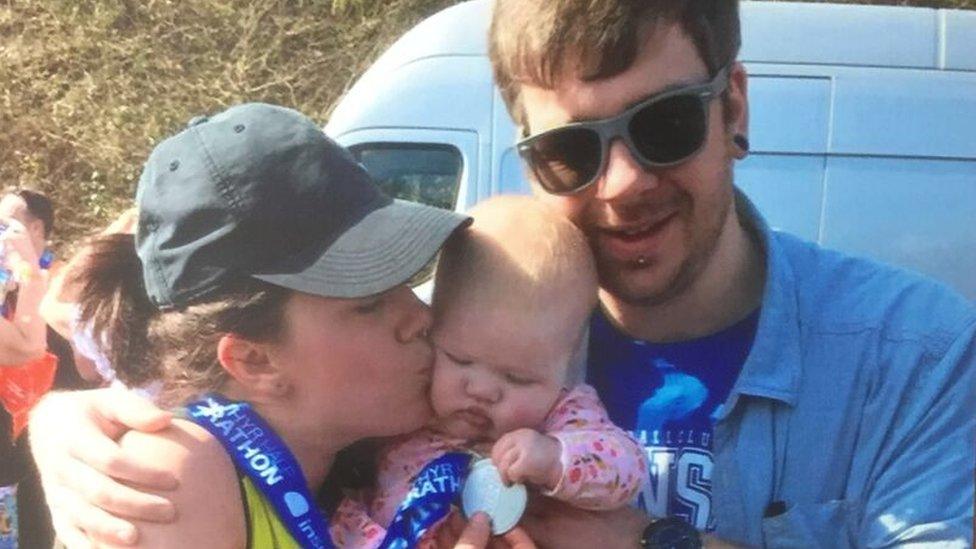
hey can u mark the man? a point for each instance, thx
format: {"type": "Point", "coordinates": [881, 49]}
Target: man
{"type": "Point", "coordinates": [788, 396]}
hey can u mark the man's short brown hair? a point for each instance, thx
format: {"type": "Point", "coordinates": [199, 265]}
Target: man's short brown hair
{"type": "Point", "coordinates": [532, 41]}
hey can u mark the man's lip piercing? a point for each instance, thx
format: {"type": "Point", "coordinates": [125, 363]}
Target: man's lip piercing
{"type": "Point", "coordinates": [642, 261]}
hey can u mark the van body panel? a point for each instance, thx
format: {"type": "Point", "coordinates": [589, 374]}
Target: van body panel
{"type": "Point", "coordinates": [788, 189]}
{"type": "Point", "coordinates": [862, 122]}
{"type": "Point", "coordinates": [917, 213]}
{"type": "Point", "coordinates": [839, 34]}
{"type": "Point", "coordinates": [904, 113]}
{"type": "Point", "coordinates": [960, 42]}
{"type": "Point", "coordinates": [794, 111]}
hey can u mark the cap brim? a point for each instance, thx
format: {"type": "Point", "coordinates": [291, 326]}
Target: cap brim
{"type": "Point", "coordinates": [383, 250]}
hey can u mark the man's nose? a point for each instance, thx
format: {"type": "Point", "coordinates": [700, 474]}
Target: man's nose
{"type": "Point", "coordinates": [624, 177]}
{"type": "Point", "coordinates": [415, 319]}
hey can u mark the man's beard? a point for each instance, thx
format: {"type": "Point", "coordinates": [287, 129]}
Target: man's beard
{"type": "Point", "coordinates": [614, 277]}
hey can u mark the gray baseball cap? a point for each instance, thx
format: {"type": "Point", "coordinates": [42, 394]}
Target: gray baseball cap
{"type": "Point", "coordinates": [260, 191]}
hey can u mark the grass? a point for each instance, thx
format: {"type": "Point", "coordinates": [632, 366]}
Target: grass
{"type": "Point", "coordinates": [87, 86]}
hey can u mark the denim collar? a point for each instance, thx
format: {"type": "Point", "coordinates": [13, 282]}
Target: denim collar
{"type": "Point", "coordinates": [772, 369]}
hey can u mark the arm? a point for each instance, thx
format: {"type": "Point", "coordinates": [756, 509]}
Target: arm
{"type": "Point", "coordinates": [602, 467]}
{"type": "Point", "coordinates": [922, 491]}
{"type": "Point", "coordinates": [552, 523]}
{"type": "Point", "coordinates": [208, 496]}
{"type": "Point", "coordinates": [73, 440]}
{"type": "Point", "coordinates": [58, 305]}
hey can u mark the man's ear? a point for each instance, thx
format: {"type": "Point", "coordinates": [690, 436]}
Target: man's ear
{"type": "Point", "coordinates": [250, 364]}
{"type": "Point", "coordinates": [736, 108]}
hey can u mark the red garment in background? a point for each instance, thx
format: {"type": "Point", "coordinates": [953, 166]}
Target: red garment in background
{"type": "Point", "coordinates": [21, 387]}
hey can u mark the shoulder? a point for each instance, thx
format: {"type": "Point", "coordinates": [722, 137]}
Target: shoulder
{"type": "Point", "coordinates": [208, 501]}
{"type": "Point", "coordinates": [837, 292]}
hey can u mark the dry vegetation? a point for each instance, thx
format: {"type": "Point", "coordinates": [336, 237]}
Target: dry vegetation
{"type": "Point", "coordinates": [87, 86]}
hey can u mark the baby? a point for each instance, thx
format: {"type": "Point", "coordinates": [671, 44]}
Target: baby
{"type": "Point", "coordinates": [511, 300]}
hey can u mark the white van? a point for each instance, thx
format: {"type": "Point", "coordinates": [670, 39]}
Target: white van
{"type": "Point", "coordinates": [863, 125]}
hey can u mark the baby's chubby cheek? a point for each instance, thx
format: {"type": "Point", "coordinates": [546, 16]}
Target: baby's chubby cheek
{"type": "Point", "coordinates": [519, 416]}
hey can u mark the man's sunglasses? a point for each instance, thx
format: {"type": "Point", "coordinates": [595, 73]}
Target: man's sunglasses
{"type": "Point", "coordinates": [663, 130]}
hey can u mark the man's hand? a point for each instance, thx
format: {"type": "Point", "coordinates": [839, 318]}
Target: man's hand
{"type": "Point", "coordinates": [84, 472]}
{"type": "Point", "coordinates": [552, 523]}
{"type": "Point", "coordinates": [527, 456]}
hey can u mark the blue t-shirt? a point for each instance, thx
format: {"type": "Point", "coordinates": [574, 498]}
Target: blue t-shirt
{"type": "Point", "coordinates": [668, 395]}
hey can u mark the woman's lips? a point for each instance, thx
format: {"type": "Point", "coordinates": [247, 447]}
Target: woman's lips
{"type": "Point", "coordinates": [636, 242]}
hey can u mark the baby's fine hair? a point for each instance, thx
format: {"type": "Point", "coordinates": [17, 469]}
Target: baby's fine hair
{"type": "Point", "coordinates": [518, 252]}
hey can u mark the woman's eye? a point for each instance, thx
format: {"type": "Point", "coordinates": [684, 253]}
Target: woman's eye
{"type": "Point", "coordinates": [370, 306]}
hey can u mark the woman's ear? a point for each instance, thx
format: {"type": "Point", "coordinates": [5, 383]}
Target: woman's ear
{"type": "Point", "coordinates": [737, 111]}
{"type": "Point", "coordinates": [250, 364]}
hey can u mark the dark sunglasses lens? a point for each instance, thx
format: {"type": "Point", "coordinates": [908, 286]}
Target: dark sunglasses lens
{"type": "Point", "coordinates": [565, 160]}
{"type": "Point", "coordinates": [669, 130]}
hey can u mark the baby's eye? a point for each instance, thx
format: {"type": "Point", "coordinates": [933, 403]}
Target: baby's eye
{"type": "Point", "coordinates": [458, 361]}
{"type": "Point", "coordinates": [518, 380]}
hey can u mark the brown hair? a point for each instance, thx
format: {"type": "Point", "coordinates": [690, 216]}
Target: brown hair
{"type": "Point", "coordinates": [177, 347]}
{"type": "Point", "coordinates": [533, 41]}
{"type": "Point", "coordinates": [184, 342]}
{"type": "Point", "coordinates": [113, 300]}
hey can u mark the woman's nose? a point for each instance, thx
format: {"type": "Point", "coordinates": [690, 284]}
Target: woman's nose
{"type": "Point", "coordinates": [415, 316]}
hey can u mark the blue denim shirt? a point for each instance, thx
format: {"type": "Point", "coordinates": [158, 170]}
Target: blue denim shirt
{"type": "Point", "coordinates": [856, 408]}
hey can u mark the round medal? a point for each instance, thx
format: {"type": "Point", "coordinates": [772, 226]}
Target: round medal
{"type": "Point", "coordinates": [484, 491]}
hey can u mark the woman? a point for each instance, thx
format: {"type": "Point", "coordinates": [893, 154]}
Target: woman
{"type": "Point", "coordinates": [280, 273]}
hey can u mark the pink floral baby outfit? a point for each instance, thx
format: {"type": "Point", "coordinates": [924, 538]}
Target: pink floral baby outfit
{"type": "Point", "coordinates": [602, 468]}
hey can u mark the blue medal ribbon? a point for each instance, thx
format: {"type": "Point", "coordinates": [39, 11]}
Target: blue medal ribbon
{"type": "Point", "coordinates": [258, 452]}
{"type": "Point", "coordinates": [433, 491]}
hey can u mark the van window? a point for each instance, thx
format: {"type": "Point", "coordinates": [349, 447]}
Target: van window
{"type": "Point", "coordinates": [429, 173]}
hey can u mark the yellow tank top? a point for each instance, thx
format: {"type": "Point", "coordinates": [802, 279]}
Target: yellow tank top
{"type": "Point", "coordinates": [264, 529]}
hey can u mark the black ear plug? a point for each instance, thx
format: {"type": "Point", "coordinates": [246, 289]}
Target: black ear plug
{"type": "Point", "coordinates": [741, 141]}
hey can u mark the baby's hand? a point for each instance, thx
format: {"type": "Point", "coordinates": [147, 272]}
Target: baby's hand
{"type": "Point", "coordinates": [527, 456]}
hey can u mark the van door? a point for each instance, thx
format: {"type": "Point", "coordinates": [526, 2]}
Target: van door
{"type": "Point", "coordinates": [901, 176]}
{"type": "Point", "coordinates": [788, 129]}
{"type": "Point", "coordinates": [434, 167]}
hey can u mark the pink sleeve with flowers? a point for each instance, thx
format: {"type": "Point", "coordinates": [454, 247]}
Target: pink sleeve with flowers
{"type": "Point", "coordinates": [603, 466]}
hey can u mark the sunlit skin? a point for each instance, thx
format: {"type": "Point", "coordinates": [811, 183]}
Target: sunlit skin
{"type": "Point", "coordinates": [348, 362]}
{"type": "Point", "coordinates": [673, 260]}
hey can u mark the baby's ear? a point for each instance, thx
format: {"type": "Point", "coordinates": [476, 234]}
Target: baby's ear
{"type": "Point", "coordinates": [249, 363]}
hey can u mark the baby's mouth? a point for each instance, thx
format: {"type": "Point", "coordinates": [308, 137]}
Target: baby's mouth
{"type": "Point", "coordinates": [475, 418]}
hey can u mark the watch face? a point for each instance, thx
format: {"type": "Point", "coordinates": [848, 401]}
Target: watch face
{"type": "Point", "coordinates": [672, 533]}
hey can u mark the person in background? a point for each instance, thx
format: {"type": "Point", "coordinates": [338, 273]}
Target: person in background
{"type": "Point", "coordinates": [100, 293]}
{"type": "Point", "coordinates": [32, 359]}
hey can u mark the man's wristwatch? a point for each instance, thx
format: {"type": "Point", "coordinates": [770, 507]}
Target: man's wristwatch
{"type": "Point", "coordinates": [670, 533]}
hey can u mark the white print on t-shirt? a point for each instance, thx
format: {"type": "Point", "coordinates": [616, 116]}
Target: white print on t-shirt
{"type": "Point", "coordinates": [679, 485]}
